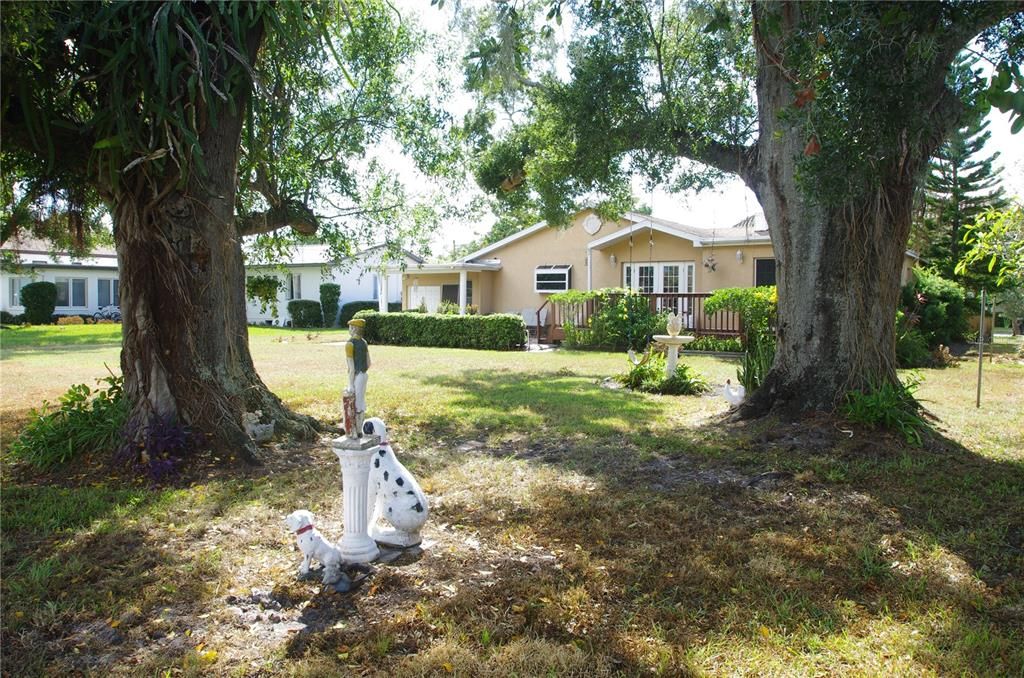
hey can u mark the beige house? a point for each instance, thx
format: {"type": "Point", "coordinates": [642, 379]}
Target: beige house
{"type": "Point", "coordinates": [652, 255]}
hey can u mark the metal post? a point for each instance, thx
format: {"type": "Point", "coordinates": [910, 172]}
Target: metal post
{"type": "Point", "coordinates": [981, 346]}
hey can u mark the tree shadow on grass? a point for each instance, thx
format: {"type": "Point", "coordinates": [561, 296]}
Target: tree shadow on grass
{"type": "Point", "coordinates": [531, 401]}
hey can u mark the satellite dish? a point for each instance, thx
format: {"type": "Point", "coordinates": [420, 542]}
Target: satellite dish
{"type": "Point", "coordinates": [592, 224]}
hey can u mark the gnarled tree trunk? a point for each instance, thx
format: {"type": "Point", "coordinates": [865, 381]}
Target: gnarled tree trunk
{"type": "Point", "coordinates": [185, 353]}
{"type": "Point", "coordinates": [838, 264]}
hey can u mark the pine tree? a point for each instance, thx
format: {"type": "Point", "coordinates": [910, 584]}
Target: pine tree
{"type": "Point", "coordinates": [962, 182]}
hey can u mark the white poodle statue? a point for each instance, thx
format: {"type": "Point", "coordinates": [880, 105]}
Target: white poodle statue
{"type": "Point", "coordinates": [314, 546]}
{"type": "Point", "coordinates": [393, 495]}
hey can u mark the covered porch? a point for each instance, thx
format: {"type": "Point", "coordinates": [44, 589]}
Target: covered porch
{"type": "Point", "coordinates": [467, 285]}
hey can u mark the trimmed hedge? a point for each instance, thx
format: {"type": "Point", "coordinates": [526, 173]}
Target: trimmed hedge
{"type": "Point", "coordinates": [330, 294]}
{"type": "Point", "coordinates": [305, 313]}
{"type": "Point", "coordinates": [39, 300]}
{"type": "Point", "coordinates": [349, 310]}
{"type": "Point", "coordinates": [498, 332]}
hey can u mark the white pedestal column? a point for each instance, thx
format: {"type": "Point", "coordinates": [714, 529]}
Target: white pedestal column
{"type": "Point", "coordinates": [354, 455]}
{"type": "Point", "coordinates": [672, 359]}
{"type": "Point", "coordinates": [671, 343]}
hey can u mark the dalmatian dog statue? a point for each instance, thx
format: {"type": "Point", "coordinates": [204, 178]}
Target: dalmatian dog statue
{"type": "Point", "coordinates": [393, 495]}
{"type": "Point", "coordinates": [314, 546]}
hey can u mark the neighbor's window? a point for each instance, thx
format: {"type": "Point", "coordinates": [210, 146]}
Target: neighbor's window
{"type": "Point", "coordinates": [451, 293]}
{"type": "Point", "coordinates": [557, 278]}
{"type": "Point", "coordinates": [764, 272]}
{"type": "Point", "coordinates": [295, 286]}
{"type": "Point", "coordinates": [70, 292]}
{"type": "Point", "coordinates": [107, 292]}
{"type": "Point", "coordinates": [16, 285]}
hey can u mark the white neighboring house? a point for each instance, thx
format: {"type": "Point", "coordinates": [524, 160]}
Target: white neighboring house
{"type": "Point", "coordinates": [83, 285]}
{"type": "Point", "coordinates": [361, 278]}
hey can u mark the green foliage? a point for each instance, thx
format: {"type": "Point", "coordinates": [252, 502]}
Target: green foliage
{"type": "Point", "coordinates": [715, 344]}
{"type": "Point", "coordinates": [888, 405]}
{"type": "Point", "coordinates": [330, 294]}
{"type": "Point", "coordinates": [962, 183]}
{"type": "Point", "coordinates": [39, 300]}
{"type": "Point", "coordinates": [305, 313]}
{"type": "Point", "coordinates": [649, 377]}
{"type": "Point", "coordinates": [86, 421]}
{"type": "Point", "coordinates": [448, 308]}
{"type": "Point", "coordinates": [349, 310]}
{"type": "Point", "coordinates": [499, 332]}
{"type": "Point", "coordinates": [757, 361]}
{"type": "Point", "coordinates": [622, 319]}
{"type": "Point", "coordinates": [997, 239]}
{"type": "Point", "coordinates": [7, 318]}
{"type": "Point", "coordinates": [911, 346]}
{"type": "Point", "coordinates": [936, 307]}
{"type": "Point", "coordinates": [756, 306]}
{"type": "Point", "coordinates": [265, 290]}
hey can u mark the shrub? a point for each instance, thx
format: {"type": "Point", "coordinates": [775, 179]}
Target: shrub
{"type": "Point", "coordinates": [349, 310]}
{"type": "Point", "coordinates": [264, 289]}
{"type": "Point", "coordinates": [756, 362]}
{"type": "Point", "coordinates": [649, 377]}
{"type": "Point", "coordinates": [758, 309]}
{"type": "Point", "coordinates": [39, 300]}
{"type": "Point", "coordinates": [305, 313]}
{"type": "Point", "coordinates": [500, 332]}
{"type": "Point", "coordinates": [70, 320]}
{"type": "Point", "coordinates": [888, 405]}
{"type": "Point", "coordinates": [756, 306]}
{"type": "Point", "coordinates": [330, 294]}
{"type": "Point", "coordinates": [718, 344]}
{"type": "Point", "coordinates": [937, 306]}
{"type": "Point", "coordinates": [11, 319]}
{"type": "Point", "coordinates": [622, 319]}
{"type": "Point", "coordinates": [86, 421]}
{"type": "Point", "coordinates": [448, 308]}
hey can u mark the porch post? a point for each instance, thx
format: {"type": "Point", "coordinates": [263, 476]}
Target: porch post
{"type": "Point", "coordinates": [382, 291]}
{"type": "Point", "coordinates": [462, 292]}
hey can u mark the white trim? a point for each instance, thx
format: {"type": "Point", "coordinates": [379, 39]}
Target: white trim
{"type": "Point", "coordinates": [529, 230]}
{"type": "Point", "coordinates": [553, 268]}
{"type": "Point", "coordinates": [450, 267]}
{"type": "Point", "coordinates": [624, 232]}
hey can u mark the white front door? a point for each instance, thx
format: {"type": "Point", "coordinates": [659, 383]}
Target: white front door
{"type": "Point", "coordinates": [664, 277]}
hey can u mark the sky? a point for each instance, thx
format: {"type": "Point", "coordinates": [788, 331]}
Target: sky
{"type": "Point", "coordinates": [719, 207]}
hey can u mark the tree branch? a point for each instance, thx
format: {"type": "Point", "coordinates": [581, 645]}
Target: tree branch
{"type": "Point", "coordinates": [289, 213]}
{"type": "Point", "coordinates": [732, 158]}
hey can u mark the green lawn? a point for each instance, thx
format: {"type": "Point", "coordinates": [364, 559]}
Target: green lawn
{"type": "Point", "coordinates": [575, 530]}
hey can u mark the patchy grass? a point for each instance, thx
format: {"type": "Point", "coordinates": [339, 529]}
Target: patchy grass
{"type": "Point", "coordinates": [575, 531]}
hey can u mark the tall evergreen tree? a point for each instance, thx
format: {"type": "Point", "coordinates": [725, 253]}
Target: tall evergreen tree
{"type": "Point", "coordinates": [963, 181]}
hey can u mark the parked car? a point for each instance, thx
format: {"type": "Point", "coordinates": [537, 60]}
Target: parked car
{"type": "Point", "coordinates": [111, 312]}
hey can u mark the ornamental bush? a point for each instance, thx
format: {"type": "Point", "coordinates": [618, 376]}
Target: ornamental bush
{"type": "Point", "coordinates": [622, 319]}
{"type": "Point", "coordinates": [305, 313]}
{"type": "Point", "coordinates": [330, 294]}
{"type": "Point", "coordinates": [349, 310]}
{"type": "Point", "coordinates": [39, 300]}
{"type": "Point", "coordinates": [756, 306]}
{"type": "Point", "coordinates": [936, 307]}
{"type": "Point", "coordinates": [498, 332]}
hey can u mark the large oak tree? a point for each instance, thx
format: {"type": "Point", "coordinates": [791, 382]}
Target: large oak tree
{"type": "Point", "coordinates": [828, 111]}
{"type": "Point", "coordinates": [196, 124]}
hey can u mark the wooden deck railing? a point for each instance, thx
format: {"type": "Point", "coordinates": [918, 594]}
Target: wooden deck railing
{"type": "Point", "coordinates": [551, 318]}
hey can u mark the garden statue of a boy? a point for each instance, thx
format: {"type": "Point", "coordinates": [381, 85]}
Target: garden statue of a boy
{"type": "Point", "coordinates": [357, 355]}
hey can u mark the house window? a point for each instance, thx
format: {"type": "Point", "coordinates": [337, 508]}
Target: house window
{"type": "Point", "coordinates": [764, 272]}
{"type": "Point", "coordinates": [672, 277]}
{"type": "Point", "coordinates": [450, 293]}
{"type": "Point", "coordinates": [70, 292]}
{"type": "Point", "coordinates": [547, 279]}
{"type": "Point", "coordinates": [16, 285]}
{"type": "Point", "coordinates": [376, 287]}
{"type": "Point", "coordinates": [107, 292]}
{"type": "Point", "coordinates": [295, 286]}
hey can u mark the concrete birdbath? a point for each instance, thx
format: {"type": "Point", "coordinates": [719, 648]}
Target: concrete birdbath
{"type": "Point", "coordinates": [672, 341]}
